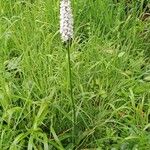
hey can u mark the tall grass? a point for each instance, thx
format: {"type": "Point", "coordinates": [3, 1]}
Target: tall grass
{"type": "Point", "coordinates": [110, 76]}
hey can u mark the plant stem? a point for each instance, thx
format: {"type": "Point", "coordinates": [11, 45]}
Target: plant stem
{"type": "Point", "coordinates": [71, 93]}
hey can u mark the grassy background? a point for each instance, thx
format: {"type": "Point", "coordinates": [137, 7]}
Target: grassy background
{"type": "Point", "coordinates": [110, 70]}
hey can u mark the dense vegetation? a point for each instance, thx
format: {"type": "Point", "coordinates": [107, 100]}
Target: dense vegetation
{"type": "Point", "coordinates": [110, 58]}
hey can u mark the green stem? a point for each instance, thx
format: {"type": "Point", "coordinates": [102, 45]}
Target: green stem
{"type": "Point", "coordinates": [71, 94]}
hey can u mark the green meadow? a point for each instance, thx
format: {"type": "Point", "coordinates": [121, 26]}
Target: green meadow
{"type": "Point", "coordinates": [110, 71]}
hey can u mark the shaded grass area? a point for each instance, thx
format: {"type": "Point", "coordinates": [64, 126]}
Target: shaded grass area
{"type": "Point", "coordinates": [110, 72]}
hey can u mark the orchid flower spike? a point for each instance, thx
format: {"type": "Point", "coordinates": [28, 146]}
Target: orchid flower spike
{"type": "Point", "coordinates": [66, 20]}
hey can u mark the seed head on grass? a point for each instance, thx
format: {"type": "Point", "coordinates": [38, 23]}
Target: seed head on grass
{"type": "Point", "coordinates": [66, 21]}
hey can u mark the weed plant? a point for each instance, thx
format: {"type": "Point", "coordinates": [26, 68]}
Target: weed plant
{"type": "Point", "coordinates": [110, 57]}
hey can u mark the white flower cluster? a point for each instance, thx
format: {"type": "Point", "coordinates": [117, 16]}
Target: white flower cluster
{"type": "Point", "coordinates": [66, 20]}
